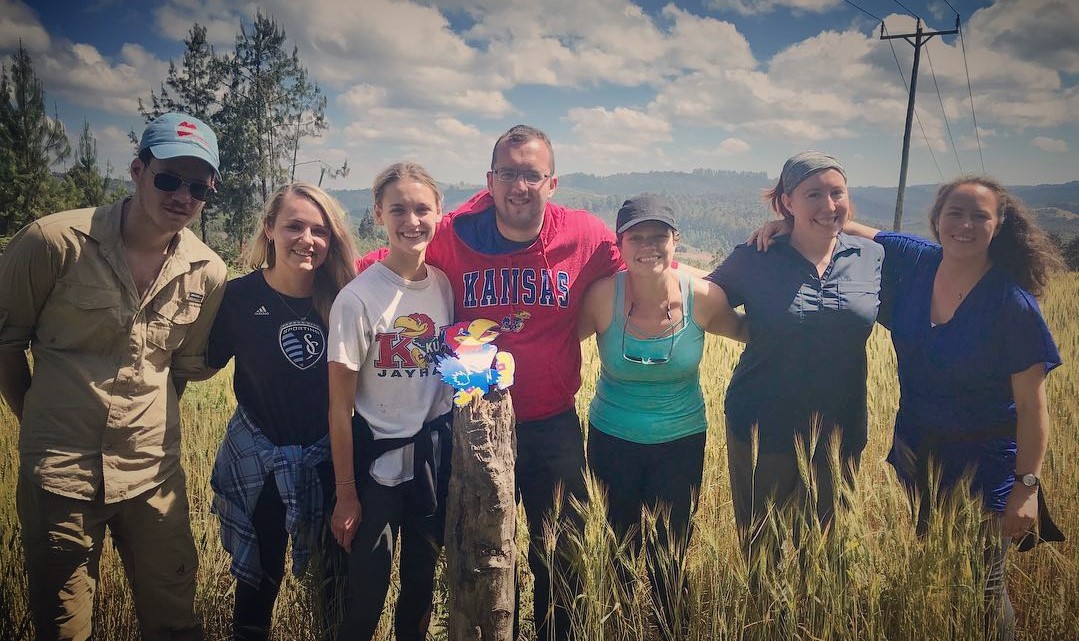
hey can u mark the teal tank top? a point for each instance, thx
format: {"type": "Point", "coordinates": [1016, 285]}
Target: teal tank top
{"type": "Point", "coordinates": [650, 403]}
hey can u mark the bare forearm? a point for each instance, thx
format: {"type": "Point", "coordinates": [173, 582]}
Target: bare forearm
{"type": "Point", "coordinates": [1032, 424]}
{"type": "Point", "coordinates": [342, 394]}
{"type": "Point", "coordinates": [14, 379]}
{"type": "Point", "coordinates": [1032, 439]}
{"type": "Point", "coordinates": [858, 229]}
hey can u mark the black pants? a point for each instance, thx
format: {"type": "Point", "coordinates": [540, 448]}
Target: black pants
{"type": "Point", "coordinates": [389, 513]}
{"type": "Point", "coordinates": [550, 452]}
{"type": "Point", "coordinates": [665, 478]}
{"type": "Point", "coordinates": [253, 608]}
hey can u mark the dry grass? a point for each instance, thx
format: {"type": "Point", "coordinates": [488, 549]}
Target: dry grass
{"type": "Point", "coordinates": [870, 579]}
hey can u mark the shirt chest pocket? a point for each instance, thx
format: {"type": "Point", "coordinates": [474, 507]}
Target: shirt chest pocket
{"type": "Point", "coordinates": [169, 322]}
{"type": "Point", "coordinates": [860, 296]}
{"type": "Point", "coordinates": [79, 317]}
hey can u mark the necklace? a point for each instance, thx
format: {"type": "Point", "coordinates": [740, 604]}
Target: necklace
{"type": "Point", "coordinates": [664, 332]}
{"type": "Point", "coordinates": [289, 307]}
{"type": "Point", "coordinates": [281, 298]}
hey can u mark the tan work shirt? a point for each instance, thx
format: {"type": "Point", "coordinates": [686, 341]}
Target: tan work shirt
{"type": "Point", "coordinates": [102, 407]}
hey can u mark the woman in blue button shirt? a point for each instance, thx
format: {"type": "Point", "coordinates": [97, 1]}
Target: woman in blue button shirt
{"type": "Point", "coordinates": [647, 420]}
{"type": "Point", "coordinates": [810, 303]}
{"type": "Point", "coordinates": [973, 352]}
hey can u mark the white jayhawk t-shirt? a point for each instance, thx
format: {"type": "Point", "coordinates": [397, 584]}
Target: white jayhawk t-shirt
{"type": "Point", "coordinates": [388, 329]}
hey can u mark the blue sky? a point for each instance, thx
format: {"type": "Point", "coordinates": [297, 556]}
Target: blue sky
{"type": "Point", "coordinates": [620, 86]}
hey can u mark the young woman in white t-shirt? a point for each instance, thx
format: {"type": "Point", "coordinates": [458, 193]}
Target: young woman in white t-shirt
{"type": "Point", "coordinates": [390, 412]}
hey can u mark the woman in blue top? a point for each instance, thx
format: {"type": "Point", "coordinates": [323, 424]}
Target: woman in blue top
{"type": "Point", "coordinates": [810, 304]}
{"type": "Point", "coordinates": [272, 477]}
{"type": "Point", "coordinates": [973, 352]}
{"type": "Point", "coordinates": [647, 421]}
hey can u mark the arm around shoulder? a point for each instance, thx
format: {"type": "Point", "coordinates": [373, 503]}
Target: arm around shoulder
{"type": "Point", "coordinates": [595, 314]}
{"type": "Point", "coordinates": [858, 229]}
{"type": "Point", "coordinates": [714, 312]}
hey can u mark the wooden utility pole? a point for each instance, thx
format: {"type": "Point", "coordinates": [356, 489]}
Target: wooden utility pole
{"type": "Point", "coordinates": [481, 511]}
{"type": "Point", "coordinates": [920, 38]}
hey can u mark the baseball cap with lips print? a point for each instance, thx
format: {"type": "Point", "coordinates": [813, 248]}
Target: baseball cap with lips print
{"type": "Point", "coordinates": [173, 135]}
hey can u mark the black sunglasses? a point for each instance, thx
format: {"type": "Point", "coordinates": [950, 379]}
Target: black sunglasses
{"type": "Point", "coordinates": [171, 182]}
{"type": "Point", "coordinates": [648, 360]}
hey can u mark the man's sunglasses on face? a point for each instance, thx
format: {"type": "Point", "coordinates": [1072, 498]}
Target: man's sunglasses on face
{"type": "Point", "coordinates": [171, 182]}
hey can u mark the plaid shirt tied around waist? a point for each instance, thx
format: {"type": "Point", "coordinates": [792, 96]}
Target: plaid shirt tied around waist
{"type": "Point", "coordinates": [244, 462]}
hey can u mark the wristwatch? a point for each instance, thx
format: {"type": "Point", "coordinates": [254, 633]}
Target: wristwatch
{"type": "Point", "coordinates": [1028, 480]}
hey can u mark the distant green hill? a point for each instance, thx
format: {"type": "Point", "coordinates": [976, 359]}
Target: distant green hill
{"type": "Point", "coordinates": [717, 209]}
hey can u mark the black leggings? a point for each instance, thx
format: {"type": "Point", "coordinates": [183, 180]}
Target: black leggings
{"type": "Point", "coordinates": [389, 513]}
{"type": "Point", "coordinates": [254, 604]}
{"type": "Point", "coordinates": [658, 476]}
{"type": "Point", "coordinates": [253, 607]}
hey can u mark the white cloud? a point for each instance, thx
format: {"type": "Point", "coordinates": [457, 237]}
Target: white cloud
{"type": "Point", "coordinates": [1052, 145]}
{"type": "Point", "coordinates": [733, 147]}
{"type": "Point", "coordinates": [751, 7]}
{"type": "Point", "coordinates": [362, 97]}
{"type": "Point", "coordinates": [221, 19]}
{"type": "Point", "coordinates": [81, 74]}
{"type": "Point", "coordinates": [18, 23]}
{"type": "Point", "coordinates": [620, 126]}
{"type": "Point", "coordinates": [1044, 33]}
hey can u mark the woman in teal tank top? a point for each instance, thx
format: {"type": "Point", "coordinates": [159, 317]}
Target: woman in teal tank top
{"type": "Point", "coordinates": [647, 421]}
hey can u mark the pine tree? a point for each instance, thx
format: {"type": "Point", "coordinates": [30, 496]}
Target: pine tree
{"type": "Point", "coordinates": [30, 144]}
{"type": "Point", "coordinates": [270, 92]}
{"type": "Point", "coordinates": [193, 88]}
{"type": "Point", "coordinates": [84, 177]}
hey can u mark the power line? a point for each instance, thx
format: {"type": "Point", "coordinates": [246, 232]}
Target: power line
{"type": "Point", "coordinates": [902, 77]}
{"type": "Point", "coordinates": [920, 37]}
{"type": "Point", "coordinates": [877, 18]}
{"type": "Point", "coordinates": [943, 112]}
{"type": "Point", "coordinates": [907, 10]}
{"type": "Point", "coordinates": [970, 92]}
{"type": "Point", "coordinates": [951, 7]}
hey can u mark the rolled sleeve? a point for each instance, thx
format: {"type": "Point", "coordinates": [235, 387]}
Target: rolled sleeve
{"type": "Point", "coordinates": [27, 275]}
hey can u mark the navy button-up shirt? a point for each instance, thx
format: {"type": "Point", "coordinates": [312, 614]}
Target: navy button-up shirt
{"type": "Point", "coordinates": [806, 353]}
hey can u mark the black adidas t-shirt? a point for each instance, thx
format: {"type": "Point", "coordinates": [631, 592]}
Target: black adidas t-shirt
{"type": "Point", "coordinates": [281, 378]}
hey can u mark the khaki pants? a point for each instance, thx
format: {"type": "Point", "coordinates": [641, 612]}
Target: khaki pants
{"type": "Point", "coordinates": [776, 480]}
{"type": "Point", "coordinates": [62, 539]}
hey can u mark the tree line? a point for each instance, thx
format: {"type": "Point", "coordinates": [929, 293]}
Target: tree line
{"type": "Point", "coordinates": [258, 98]}
{"type": "Point", "coordinates": [32, 144]}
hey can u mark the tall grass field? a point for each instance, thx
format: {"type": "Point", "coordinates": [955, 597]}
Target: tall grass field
{"type": "Point", "coordinates": [869, 578]}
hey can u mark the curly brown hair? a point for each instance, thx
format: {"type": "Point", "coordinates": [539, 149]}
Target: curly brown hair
{"type": "Point", "coordinates": [1021, 248]}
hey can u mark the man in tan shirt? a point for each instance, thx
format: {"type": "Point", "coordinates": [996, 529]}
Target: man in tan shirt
{"type": "Point", "coordinates": [115, 305]}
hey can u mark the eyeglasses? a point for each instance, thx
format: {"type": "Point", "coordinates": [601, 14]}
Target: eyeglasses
{"type": "Point", "coordinates": [532, 178]}
{"type": "Point", "coordinates": [647, 360]}
{"type": "Point", "coordinates": [171, 182]}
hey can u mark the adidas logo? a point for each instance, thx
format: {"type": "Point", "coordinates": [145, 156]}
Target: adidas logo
{"type": "Point", "coordinates": [261, 311]}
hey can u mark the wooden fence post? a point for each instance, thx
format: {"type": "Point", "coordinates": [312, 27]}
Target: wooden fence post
{"type": "Point", "coordinates": [481, 511]}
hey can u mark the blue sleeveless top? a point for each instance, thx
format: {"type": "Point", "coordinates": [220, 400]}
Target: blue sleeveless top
{"type": "Point", "coordinates": [649, 403]}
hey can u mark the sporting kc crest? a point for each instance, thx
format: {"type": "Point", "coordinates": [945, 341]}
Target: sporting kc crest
{"type": "Point", "coordinates": [302, 342]}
